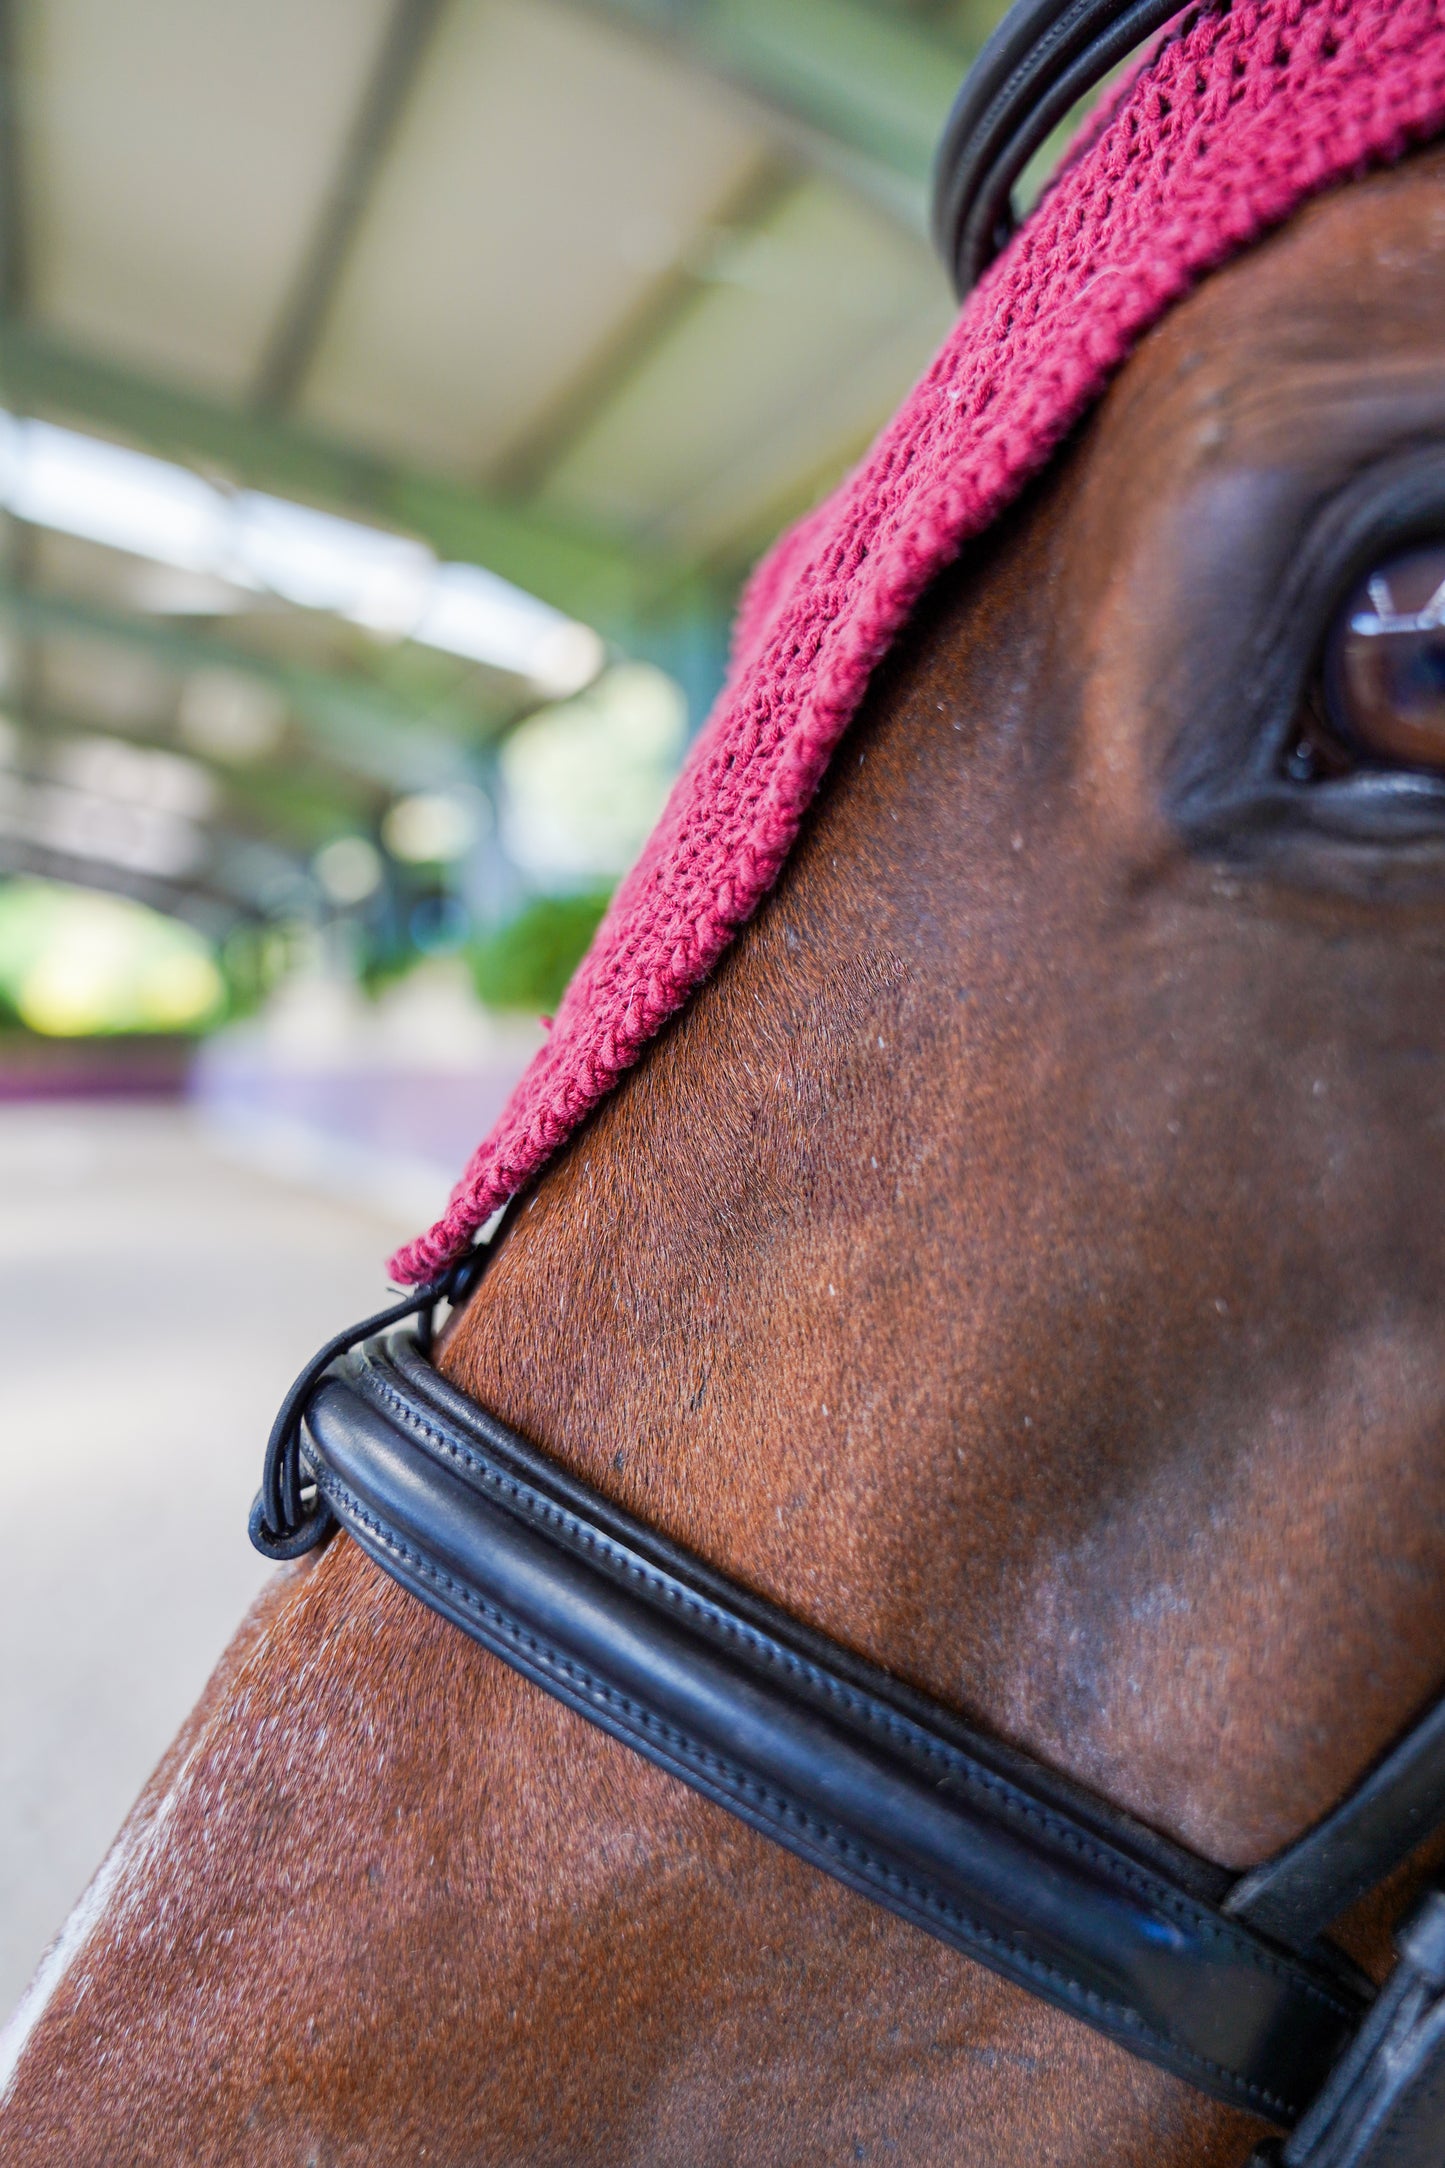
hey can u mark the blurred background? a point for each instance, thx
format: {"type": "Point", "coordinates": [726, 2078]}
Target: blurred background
{"type": "Point", "coordinates": [393, 394]}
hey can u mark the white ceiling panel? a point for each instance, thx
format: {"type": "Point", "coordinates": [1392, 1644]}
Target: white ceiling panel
{"type": "Point", "coordinates": [549, 170]}
{"type": "Point", "coordinates": [805, 335]}
{"type": "Point", "coordinates": [175, 156]}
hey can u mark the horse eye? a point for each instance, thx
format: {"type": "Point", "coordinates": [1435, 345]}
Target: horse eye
{"type": "Point", "coordinates": [1378, 698]}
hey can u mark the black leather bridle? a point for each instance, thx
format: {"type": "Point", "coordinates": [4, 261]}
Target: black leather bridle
{"type": "Point", "coordinates": [1228, 1981]}
{"type": "Point", "coordinates": [1043, 58]}
{"type": "Point", "coordinates": [1224, 1980]}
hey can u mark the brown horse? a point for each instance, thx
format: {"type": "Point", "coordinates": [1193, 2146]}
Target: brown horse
{"type": "Point", "coordinates": [1021, 1262]}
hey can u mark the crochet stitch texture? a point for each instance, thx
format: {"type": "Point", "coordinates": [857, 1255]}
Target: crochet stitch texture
{"type": "Point", "coordinates": [1242, 115]}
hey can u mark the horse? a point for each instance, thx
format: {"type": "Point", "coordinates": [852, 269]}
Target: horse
{"type": "Point", "coordinates": [1017, 1260]}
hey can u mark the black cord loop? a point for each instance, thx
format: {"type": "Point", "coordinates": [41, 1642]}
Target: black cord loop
{"type": "Point", "coordinates": [289, 1515]}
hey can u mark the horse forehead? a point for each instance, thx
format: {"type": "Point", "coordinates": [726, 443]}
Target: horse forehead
{"type": "Point", "coordinates": [1028, 359]}
{"type": "Point", "coordinates": [1348, 286]}
{"type": "Point", "coordinates": [1271, 384]}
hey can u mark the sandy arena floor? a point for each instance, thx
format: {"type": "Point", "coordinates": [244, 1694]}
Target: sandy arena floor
{"type": "Point", "coordinates": [142, 1275]}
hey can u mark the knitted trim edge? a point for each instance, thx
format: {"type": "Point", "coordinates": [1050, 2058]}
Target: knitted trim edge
{"type": "Point", "coordinates": [1240, 117]}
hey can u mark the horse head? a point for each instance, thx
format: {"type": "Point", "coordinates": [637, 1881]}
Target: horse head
{"type": "Point", "coordinates": [1012, 1253]}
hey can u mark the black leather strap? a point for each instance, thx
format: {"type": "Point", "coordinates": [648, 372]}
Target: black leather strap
{"type": "Point", "coordinates": [895, 1796]}
{"type": "Point", "coordinates": [1384, 2107]}
{"type": "Point", "coordinates": [1044, 56]}
{"type": "Point", "coordinates": [1296, 1895]}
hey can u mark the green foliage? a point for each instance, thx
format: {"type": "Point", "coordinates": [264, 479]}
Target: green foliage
{"type": "Point", "coordinates": [526, 963]}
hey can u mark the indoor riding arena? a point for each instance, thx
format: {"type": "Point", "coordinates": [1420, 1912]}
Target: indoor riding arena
{"type": "Point", "coordinates": [722, 1083]}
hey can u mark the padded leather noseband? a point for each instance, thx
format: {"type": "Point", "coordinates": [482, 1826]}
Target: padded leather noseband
{"type": "Point", "coordinates": [1223, 1981]}
{"type": "Point", "coordinates": [830, 1758]}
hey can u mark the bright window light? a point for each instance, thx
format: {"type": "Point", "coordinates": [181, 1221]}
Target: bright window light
{"type": "Point", "coordinates": [312, 558]}
{"type": "Point", "coordinates": [73, 963]}
{"type": "Point", "coordinates": [385, 582]}
{"type": "Point", "coordinates": [583, 782]}
{"type": "Point", "coordinates": [82, 486]}
{"type": "Point", "coordinates": [470, 611]}
{"type": "Point", "coordinates": [432, 827]}
{"type": "Point", "coordinates": [349, 868]}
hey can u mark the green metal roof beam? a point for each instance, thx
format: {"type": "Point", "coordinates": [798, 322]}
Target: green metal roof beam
{"type": "Point", "coordinates": [362, 726]}
{"type": "Point", "coordinates": [12, 176]}
{"type": "Point", "coordinates": [300, 799]}
{"type": "Point", "coordinates": [293, 342]}
{"type": "Point", "coordinates": [874, 80]}
{"type": "Point", "coordinates": [591, 577]}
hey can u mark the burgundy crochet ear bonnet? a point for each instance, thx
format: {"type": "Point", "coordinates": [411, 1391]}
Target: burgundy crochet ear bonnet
{"type": "Point", "coordinates": [1242, 114]}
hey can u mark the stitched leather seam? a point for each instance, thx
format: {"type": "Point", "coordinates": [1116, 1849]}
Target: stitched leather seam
{"type": "Point", "coordinates": [539, 1508]}
{"type": "Point", "coordinates": [1170, 1902]}
{"type": "Point", "coordinates": [784, 1810]}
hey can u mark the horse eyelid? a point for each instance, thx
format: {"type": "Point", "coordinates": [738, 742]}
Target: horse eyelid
{"type": "Point", "coordinates": [1226, 775]}
{"type": "Point", "coordinates": [1382, 510]}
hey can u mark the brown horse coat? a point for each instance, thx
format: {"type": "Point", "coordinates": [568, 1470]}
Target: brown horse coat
{"type": "Point", "coordinates": [1021, 1261]}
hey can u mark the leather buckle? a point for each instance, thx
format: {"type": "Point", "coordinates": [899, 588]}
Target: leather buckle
{"type": "Point", "coordinates": [1384, 2104]}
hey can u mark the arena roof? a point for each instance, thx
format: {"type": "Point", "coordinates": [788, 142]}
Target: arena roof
{"type": "Point", "coordinates": [593, 294]}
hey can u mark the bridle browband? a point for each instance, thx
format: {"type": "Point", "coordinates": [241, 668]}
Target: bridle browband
{"type": "Point", "coordinates": [1226, 1981]}
{"type": "Point", "coordinates": [1039, 63]}
{"type": "Point", "coordinates": [1223, 1980]}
